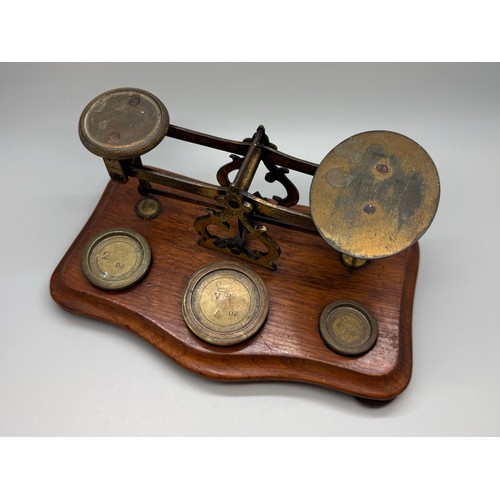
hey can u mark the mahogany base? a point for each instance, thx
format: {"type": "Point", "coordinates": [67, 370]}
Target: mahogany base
{"type": "Point", "coordinates": [289, 346]}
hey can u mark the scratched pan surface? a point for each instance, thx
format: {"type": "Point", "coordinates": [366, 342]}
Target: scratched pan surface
{"type": "Point", "coordinates": [123, 123]}
{"type": "Point", "coordinates": [374, 194]}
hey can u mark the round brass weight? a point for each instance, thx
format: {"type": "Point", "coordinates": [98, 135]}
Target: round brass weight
{"type": "Point", "coordinates": [148, 208]}
{"type": "Point", "coordinates": [374, 195]}
{"type": "Point", "coordinates": [225, 303]}
{"type": "Point", "coordinates": [123, 123]}
{"type": "Point", "coordinates": [348, 328]}
{"type": "Point", "coordinates": [116, 259]}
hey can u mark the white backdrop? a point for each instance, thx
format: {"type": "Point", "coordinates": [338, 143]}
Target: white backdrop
{"type": "Point", "coordinates": [63, 375]}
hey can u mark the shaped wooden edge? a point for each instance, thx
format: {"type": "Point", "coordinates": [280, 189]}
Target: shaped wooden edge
{"type": "Point", "coordinates": [218, 363]}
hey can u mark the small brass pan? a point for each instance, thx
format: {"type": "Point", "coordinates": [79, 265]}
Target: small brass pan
{"type": "Point", "coordinates": [123, 123]}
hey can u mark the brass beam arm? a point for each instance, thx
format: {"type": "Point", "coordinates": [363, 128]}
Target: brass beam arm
{"type": "Point", "coordinates": [263, 210]}
{"type": "Point", "coordinates": [176, 181]}
{"type": "Point", "coordinates": [268, 152]}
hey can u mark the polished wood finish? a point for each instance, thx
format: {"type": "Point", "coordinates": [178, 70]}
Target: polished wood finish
{"type": "Point", "coordinates": [288, 346]}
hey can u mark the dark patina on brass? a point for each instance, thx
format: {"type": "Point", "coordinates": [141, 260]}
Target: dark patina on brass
{"type": "Point", "coordinates": [372, 196]}
{"type": "Point", "coordinates": [348, 328]}
{"type": "Point", "coordinates": [116, 259]}
{"type": "Point", "coordinates": [123, 123]}
{"type": "Point", "coordinates": [148, 208]}
{"type": "Point", "coordinates": [352, 262]}
{"type": "Point", "coordinates": [225, 303]}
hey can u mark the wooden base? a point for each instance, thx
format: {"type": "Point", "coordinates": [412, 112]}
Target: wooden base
{"type": "Point", "coordinates": [288, 346]}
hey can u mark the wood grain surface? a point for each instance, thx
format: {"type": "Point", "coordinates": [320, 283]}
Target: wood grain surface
{"type": "Point", "coordinates": [289, 346]}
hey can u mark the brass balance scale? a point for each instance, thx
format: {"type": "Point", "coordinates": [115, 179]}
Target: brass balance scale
{"type": "Point", "coordinates": [239, 287]}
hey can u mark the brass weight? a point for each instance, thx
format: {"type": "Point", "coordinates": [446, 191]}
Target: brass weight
{"type": "Point", "coordinates": [348, 328]}
{"type": "Point", "coordinates": [225, 303]}
{"type": "Point", "coordinates": [116, 259]}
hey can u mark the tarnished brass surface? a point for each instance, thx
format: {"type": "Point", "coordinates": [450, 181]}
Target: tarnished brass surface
{"type": "Point", "coordinates": [116, 259]}
{"type": "Point", "coordinates": [238, 245]}
{"type": "Point", "coordinates": [374, 194]}
{"type": "Point", "coordinates": [225, 303]}
{"type": "Point", "coordinates": [263, 209]}
{"type": "Point", "coordinates": [352, 262]}
{"type": "Point", "coordinates": [148, 208]}
{"type": "Point", "coordinates": [123, 123]}
{"type": "Point", "coordinates": [348, 328]}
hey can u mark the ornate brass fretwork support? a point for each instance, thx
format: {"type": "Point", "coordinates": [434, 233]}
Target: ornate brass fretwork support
{"type": "Point", "coordinates": [247, 234]}
{"type": "Point", "coordinates": [275, 173]}
{"type": "Point", "coordinates": [236, 210]}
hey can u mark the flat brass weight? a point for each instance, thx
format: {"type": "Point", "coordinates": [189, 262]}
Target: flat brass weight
{"type": "Point", "coordinates": [225, 303]}
{"type": "Point", "coordinates": [148, 208]}
{"type": "Point", "coordinates": [374, 194]}
{"type": "Point", "coordinates": [116, 259]}
{"type": "Point", "coordinates": [348, 328]}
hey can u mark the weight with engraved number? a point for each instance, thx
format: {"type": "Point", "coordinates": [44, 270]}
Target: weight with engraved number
{"type": "Point", "coordinates": [225, 303]}
{"type": "Point", "coordinates": [116, 259]}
